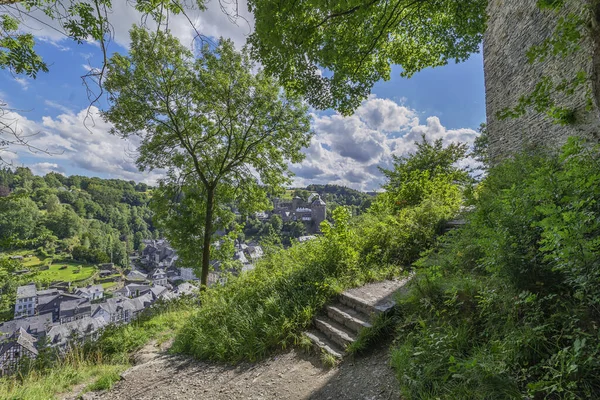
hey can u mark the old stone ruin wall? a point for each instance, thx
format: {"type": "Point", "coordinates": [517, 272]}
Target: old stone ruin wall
{"type": "Point", "coordinates": [513, 27]}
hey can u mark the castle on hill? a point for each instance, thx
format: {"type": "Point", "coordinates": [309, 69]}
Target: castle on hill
{"type": "Point", "coordinates": [312, 211]}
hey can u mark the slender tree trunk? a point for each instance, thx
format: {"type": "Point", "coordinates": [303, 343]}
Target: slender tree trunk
{"type": "Point", "coordinates": [208, 223]}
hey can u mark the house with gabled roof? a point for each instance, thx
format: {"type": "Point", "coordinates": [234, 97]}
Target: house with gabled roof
{"type": "Point", "coordinates": [91, 292]}
{"type": "Point", "coordinates": [15, 349]}
{"type": "Point", "coordinates": [86, 328]}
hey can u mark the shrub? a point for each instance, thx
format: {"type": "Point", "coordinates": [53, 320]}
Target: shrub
{"type": "Point", "coordinates": [507, 307]}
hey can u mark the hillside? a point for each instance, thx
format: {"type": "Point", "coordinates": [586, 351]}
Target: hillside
{"type": "Point", "coordinates": [57, 228]}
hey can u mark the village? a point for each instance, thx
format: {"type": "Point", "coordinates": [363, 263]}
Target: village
{"type": "Point", "coordinates": [61, 316]}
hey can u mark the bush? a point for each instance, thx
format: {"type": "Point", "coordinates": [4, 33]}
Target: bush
{"type": "Point", "coordinates": [507, 307]}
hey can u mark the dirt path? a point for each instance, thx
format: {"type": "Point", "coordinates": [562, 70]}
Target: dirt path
{"type": "Point", "coordinates": [291, 375]}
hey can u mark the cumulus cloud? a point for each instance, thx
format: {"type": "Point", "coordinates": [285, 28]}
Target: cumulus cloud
{"type": "Point", "coordinates": [225, 18]}
{"type": "Point", "coordinates": [44, 168]}
{"type": "Point", "coordinates": [82, 141]}
{"type": "Point", "coordinates": [349, 150]}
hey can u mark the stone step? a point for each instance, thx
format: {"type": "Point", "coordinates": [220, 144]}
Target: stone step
{"type": "Point", "coordinates": [336, 332]}
{"type": "Point", "coordinates": [323, 343]}
{"type": "Point", "coordinates": [348, 317]}
{"type": "Point", "coordinates": [363, 307]}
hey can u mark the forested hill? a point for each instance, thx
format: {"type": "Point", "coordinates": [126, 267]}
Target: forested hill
{"type": "Point", "coordinates": [93, 219]}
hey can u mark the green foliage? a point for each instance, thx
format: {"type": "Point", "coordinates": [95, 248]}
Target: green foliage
{"type": "Point", "coordinates": [266, 308]}
{"type": "Point", "coordinates": [98, 215]}
{"type": "Point", "coordinates": [481, 147]}
{"type": "Point", "coordinates": [507, 307]}
{"type": "Point", "coordinates": [16, 49]}
{"type": "Point", "coordinates": [225, 134]}
{"type": "Point", "coordinates": [356, 43]}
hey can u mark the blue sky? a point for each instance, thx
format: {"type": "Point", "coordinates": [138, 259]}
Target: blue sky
{"type": "Point", "coordinates": [446, 102]}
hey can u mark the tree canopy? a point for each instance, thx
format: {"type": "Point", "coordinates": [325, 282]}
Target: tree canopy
{"type": "Point", "coordinates": [333, 52]}
{"type": "Point", "coordinates": [224, 134]}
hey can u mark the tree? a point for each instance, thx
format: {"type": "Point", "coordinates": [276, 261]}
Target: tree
{"type": "Point", "coordinates": [78, 20]}
{"type": "Point", "coordinates": [357, 42]}
{"type": "Point", "coordinates": [481, 147]}
{"type": "Point", "coordinates": [18, 217]}
{"type": "Point", "coordinates": [224, 133]}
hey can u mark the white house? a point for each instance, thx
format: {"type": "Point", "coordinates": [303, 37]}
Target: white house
{"type": "Point", "coordinates": [159, 277]}
{"type": "Point", "coordinates": [92, 292]}
{"type": "Point", "coordinates": [26, 301]}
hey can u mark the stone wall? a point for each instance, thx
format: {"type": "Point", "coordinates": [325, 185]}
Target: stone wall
{"type": "Point", "coordinates": [513, 27]}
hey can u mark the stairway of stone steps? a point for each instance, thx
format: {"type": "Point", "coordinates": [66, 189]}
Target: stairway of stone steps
{"type": "Point", "coordinates": [340, 322]}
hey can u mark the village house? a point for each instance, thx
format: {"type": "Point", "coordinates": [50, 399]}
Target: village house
{"type": "Point", "coordinates": [187, 274]}
{"type": "Point", "coordinates": [159, 277]}
{"type": "Point", "coordinates": [73, 310]}
{"type": "Point", "coordinates": [121, 310]}
{"type": "Point", "coordinates": [52, 301]}
{"type": "Point", "coordinates": [158, 254]}
{"type": "Point", "coordinates": [26, 301]}
{"type": "Point", "coordinates": [35, 326]}
{"type": "Point", "coordinates": [86, 328]}
{"type": "Point", "coordinates": [13, 350]}
{"type": "Point", "coordinates": [136, 276]}
{"type": "Point", "coordinates": [133, 290]}
{"type": "Point", "coordinates": [92, 292]}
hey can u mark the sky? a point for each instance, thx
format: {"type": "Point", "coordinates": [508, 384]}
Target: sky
{"type": "Point", "coordinates": [54, 110]}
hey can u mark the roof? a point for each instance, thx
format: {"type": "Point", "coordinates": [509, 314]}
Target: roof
{"type": "Point", "coordinates": [141, 302]}
{"type": "Point", "coordinates": [115, 305]}
{"type": "Point", "coordinates": [136, 275]}
{"type": "Point", "coordinates": [132, 288]}
{"type": "Point", "coordinates": [61, 334]}
{"type": "Point", "coordinates": [49, 292]}
{"type": "Point", "coordinates": [90, 289]}
{"type": "Point", "coordinates": [158, 271]}
{"type": "Point", "coordinates": [318, 202]}
{"type": "Point", "coordinates": [186, 288]}
{"type": "Point", "coordinates": [21, 337]}
{"type": "Point", "coordinates": [158, 290]}
{"type": "Point", "coordinates": [73, 307]}
{"type": "Point", "coordinates": [37, 324]}
{"type": "Point", "coordinates": [26, 291]}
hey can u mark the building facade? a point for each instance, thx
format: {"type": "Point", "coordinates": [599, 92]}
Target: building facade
{"type": "Point", "coordinates": [514, 26]}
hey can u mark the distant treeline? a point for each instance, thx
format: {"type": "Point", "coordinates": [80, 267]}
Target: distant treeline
{"type": "Point", "coordinates": [93, 219]}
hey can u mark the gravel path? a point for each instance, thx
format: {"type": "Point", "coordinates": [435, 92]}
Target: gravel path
{"type": "Point", "coordinates": [289, 375]}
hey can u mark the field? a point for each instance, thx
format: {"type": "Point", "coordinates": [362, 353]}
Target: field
{"type": "Point", "coordinates": [73, 272]}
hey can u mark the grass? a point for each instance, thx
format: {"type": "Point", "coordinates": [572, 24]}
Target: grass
{"type": "Point", "coordinates": [74, 272]}
{"type": "Point", "coordinates": [328, 360]}
{"type": "Point", "coordinates": [100, 363]}
{"type": "Point", "coordinates": [109, 285]}
{"type": "Point", "coordinates": [61, 378]}
{"type": "Point", "coordinates": [267, 308]}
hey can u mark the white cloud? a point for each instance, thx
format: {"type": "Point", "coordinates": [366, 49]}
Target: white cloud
{"type": "Point", "coordinates": [213, 22]}
{"type": "Point", "coordinates": [23, 82]}
{"type": "Point", "coordinates": [43, 168]}
{"type": "Point", "coordinates": [348, 150]}
{"type": "Point", "coordinates": [81, 141]}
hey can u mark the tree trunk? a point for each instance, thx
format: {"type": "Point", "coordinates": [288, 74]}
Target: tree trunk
{"type": "Point", "coordinates": [208, 223]}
